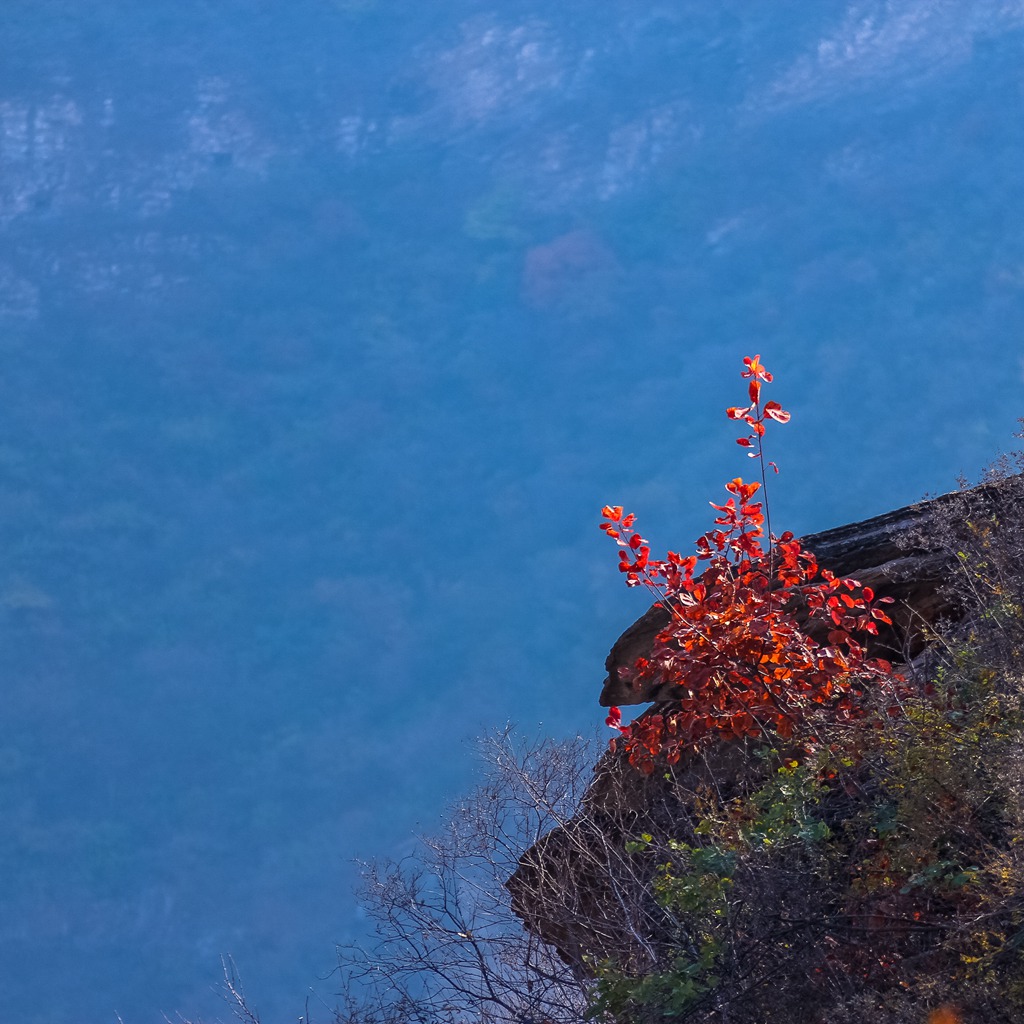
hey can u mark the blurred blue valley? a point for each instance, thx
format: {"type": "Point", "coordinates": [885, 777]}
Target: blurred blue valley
{"type": "Point", "coordinates": [326, 328]}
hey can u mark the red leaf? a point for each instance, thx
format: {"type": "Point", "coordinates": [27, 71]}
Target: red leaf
{"type": "Point", "coordinates": [755, 369]}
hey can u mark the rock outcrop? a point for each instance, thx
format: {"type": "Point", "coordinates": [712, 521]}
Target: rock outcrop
{"type": "Point", "coordinates": [902, 554]}
{"type": "Point", "coordinates": [576, 888]}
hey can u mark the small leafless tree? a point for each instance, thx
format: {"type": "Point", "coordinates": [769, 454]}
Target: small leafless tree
{"type": "Point", "coordinates": [447, 947]}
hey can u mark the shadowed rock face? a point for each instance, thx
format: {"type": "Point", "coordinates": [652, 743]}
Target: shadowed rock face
{"type": "Point", "coordinates": [897, 554]}
{"type": "Point", "coordinates": [579, 890]}
{"type": "Point", "coordinates": [575, 888]}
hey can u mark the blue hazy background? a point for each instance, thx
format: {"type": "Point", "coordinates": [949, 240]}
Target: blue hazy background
{"type": "Point", "coordinates": [326, 328]}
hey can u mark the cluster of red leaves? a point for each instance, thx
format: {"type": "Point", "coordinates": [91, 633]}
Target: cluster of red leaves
{"type": "Point", "coordinates": [737, 646]}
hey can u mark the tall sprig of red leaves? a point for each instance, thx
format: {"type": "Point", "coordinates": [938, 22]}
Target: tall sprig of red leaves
{"type": "Point", "coordinates": [736, 648]}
